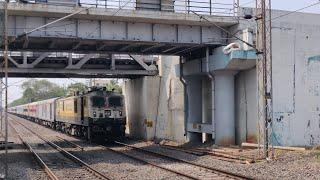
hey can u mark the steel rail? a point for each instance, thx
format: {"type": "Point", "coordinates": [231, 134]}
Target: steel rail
{"type": "Point", "coordinates": [219, 171]}
{"type": "Point", "coordinates": [143, 161]}
{"type": "Point", "coordinates": [149, 163]}
{"type": "Point", "coordinates": [71, 143]}
{"type": "Point", "coordinates": [68, 154]}
{"type": "Point", "coordinates": [37, 157]}
{"type": "Point", "coordinates": [196, 153]}
{"type": "Point", "coordinates": [217, 155]}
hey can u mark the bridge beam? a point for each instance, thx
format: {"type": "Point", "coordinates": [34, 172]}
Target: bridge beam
{"type": "Point", "coordinates": [70, 65]}
{"type": "Point", "coordinates": [39, 59]}
{"type": "Point", "coordinates": [25, 60]}
{"type": "Point", "coordinates": [77, 73]}
{"type": "Point", "coordinates": [113, 62]}
{"type": "Point", "coordinates": [139, 59]}
{"type": "Point", "coordinates": [85, 59]}
{"type": "Point", "coordinates": [96, 30]}
{"type": "Point", "coordinates": [13, 61]}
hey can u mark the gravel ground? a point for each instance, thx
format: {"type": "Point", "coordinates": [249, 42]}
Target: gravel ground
{"type": "Point", "coordinates": [61, 166]}
{"type": "Point", "coordinates": [288, 165]}
{"type": "Point", "coordinates": [21, 164]}
{"type": "Point", "coordinates": [112, 164]}
{"type": "Point", "coordinates": [187, 169]}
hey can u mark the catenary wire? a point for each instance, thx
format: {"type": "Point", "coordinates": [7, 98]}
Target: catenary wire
{"type": "Point", "coordinates": [295, 11]}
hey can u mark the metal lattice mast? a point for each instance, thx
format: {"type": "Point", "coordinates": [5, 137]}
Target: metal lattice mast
{"type": "Point", "coordinates": [264, 65]}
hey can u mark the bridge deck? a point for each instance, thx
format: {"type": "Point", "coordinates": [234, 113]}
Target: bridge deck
{"type": "Point", "coordinates": [112, 30]}
{"type": "Point", "coordinates": [105, 31]}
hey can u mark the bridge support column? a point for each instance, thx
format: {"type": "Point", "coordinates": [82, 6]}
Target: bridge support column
{"type": "Point", "coordinates": [195, 107]}
{"type": "Point", "coordinates": [224, 101]}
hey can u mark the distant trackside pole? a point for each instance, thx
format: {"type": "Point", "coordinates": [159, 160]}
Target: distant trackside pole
{"type": "Point", "coordinates": [6, 85]}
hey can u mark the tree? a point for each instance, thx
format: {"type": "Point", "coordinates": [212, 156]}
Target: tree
{"type": "Point", "coordinates": [37, 90]}
{"type": "Point", "coordinates": [114, 86]}
{"type": "Point", "coordinates": [76, 87]}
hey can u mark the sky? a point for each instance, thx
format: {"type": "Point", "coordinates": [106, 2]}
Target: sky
{"type": "Point", "coordinates": [290, 5]}
{"type": "Point", "coordinates": [15, 92]}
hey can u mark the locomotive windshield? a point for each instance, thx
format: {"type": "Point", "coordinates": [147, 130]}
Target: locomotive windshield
{"type": "Point", "coordinates": [98, 101]}
{"type": "Point", "coordinates": [115, 101]}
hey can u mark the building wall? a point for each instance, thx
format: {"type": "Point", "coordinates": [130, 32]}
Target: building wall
{"type": "Point", "coordinates": [296, 79]}
{"type": "Point", "coordinates": [296, 89]}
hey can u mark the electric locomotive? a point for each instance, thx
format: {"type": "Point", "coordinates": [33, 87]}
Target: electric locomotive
{"type": "Point", "coordinates": [97, 114]}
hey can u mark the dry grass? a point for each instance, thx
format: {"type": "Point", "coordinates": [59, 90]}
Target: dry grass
{"type": "Point", "coordinates": [317, 156]}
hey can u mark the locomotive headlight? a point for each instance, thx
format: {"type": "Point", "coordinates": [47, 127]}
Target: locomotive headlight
{"type": "Point", "coordinates": [120, 113]}
{"type": "Point", "coordinates": [94, 114]}
{"type": "Point", "coordinates": [108, 112]}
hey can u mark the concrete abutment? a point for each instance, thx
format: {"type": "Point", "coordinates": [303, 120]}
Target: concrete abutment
{"type": "Point", "coordinates": [210, 106]}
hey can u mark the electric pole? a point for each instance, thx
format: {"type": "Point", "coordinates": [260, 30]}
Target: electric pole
{"type": "Point", "coordinates": [5, 54]}
{"type": "Point", "coordinates": [264, 71]}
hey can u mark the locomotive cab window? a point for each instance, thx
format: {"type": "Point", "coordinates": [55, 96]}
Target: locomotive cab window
{"type": "Point", "coordinates": [98, 101]}
{"type": "Point", "coordinates": [115, 101]}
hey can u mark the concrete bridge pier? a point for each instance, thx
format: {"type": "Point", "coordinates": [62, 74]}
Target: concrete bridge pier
{"type": "Point", "coordinates": [157, 109]}
{"type": "Point", "coordinates": [194, 89]}
{"type": "Point", "coordinates": [224, 115]}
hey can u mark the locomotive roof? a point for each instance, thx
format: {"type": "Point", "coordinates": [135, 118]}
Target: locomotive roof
{"type": "Point", "coordinates": [53, 99]}
{"type": "Point", "coordinates": [37, 102]}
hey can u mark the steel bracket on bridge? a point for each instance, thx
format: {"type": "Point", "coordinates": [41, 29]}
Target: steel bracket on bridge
{"type": "Point", "coordinates": [140, 60]}
{"type": "Point", "coordinates": [25, 60]}
{"type": "Point", "coordinates": [84, 60]}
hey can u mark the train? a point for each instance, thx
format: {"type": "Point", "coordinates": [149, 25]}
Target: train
{"type": "Point", "coordinates": [97, 115]}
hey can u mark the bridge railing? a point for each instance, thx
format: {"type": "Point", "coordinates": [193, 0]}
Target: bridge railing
{"type": "Point", "coordinates": [207, 7]}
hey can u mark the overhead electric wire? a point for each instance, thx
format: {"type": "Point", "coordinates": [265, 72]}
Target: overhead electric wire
{"type": "Point", "coordinates": [61, 25]}
{"type": "Point", "coordinates": [71, 79]}
{"type": "Point", "coordinates": [14, 83]}
{"type": "Point", "coordinates": [120, 7]}
{"type": "Point", "coordinates": [233, 35]}
{"type": "Point", "coordinates": [292, 12]}
{"type": "Point", "coordinates": [25, 34]}
{"type": "Point", "coordinates": [249, 2]}
{"type": "Point", "coordinates": [224, 30]}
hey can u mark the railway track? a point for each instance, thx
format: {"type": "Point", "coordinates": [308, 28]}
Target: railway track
{"type": "Point", "coordinates": [175, 165]}
{"type": "Point", "coordinates": [216, 155]}
{"type": "Point", "coordinates": [56, 162]}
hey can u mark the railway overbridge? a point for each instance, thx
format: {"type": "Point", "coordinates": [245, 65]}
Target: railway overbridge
{"type": "Point", "coordinates": [102, 39]}
{"type": "Point", "coordinates": [102, 30]}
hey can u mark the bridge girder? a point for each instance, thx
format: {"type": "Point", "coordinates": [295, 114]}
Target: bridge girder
{"type": "Point", "coordinates": [103, 30]}
{"type": "Point", "coordinates": [48, 65]}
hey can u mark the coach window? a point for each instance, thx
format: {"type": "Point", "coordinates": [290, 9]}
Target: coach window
{"type": "Point", "coordinates": [75, 106]}
{"type": "Point", "coordinates": [50, 111]}
{"type": "Point", "coordinates": [85, 102]}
